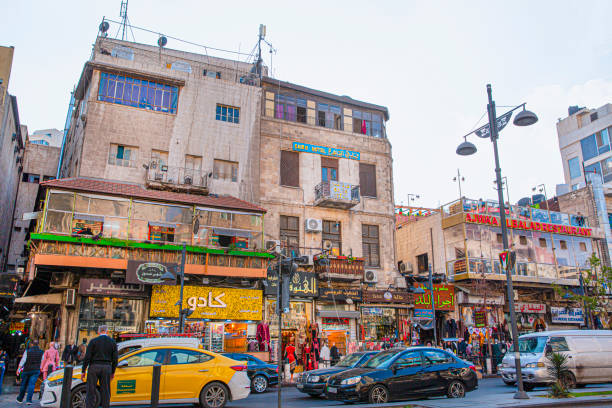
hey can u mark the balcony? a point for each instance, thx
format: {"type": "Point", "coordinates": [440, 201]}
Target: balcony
{"type": "Point", "coordinates": [340, 268]}
{"type": "Point", "coordinates": [180, 179]}
{"type": "Point", "coordinates": [334, 194]}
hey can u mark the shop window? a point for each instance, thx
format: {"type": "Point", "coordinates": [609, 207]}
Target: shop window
{"type": "Point", "coordinates": [290, 232]}
{"type": "Point", "coordinates": [120, 155]}
{"type": "Point", "coordinates": [499, 238]}
{"type": "Point", "coordinates": [371, 245]}
{"type": "Point", "coordinates": [437, 357]}
{"type": "Point", "coordinates": [329, 169]}
{"type": "Point", "coordinates": [522, 239]}
{"type": "Point", "coordinates": [161, 232]}
{"type": "Point", "coordinates": [30, 178]}
{"type": "Point", "coordinates": [188, 357]}
{"type": "Point", "coordinates": [543, 243]}
{"type": "Point", "coordinates": [422, 263]}
{"type": "Point", "coordinates": [225, 170]}
{"type": "Point", "coordinates": [289, 169]}
{"type": "Point", "coordinates": [583, 247]}
{"type": "Point", "coordinates": [563, 244]}
{"type": "Point", "coordinates": [147, 358]}
{"type": "Point", "coordinates": [332, 232]}
{"type": "Point", "coordinates": [367, 180]}
{"type": "Point", "coordinates": [227, 113]}
{"type": "Point", "coordinates": [83, 224]}
{"type": "Point", "coordinates": [139, 93]}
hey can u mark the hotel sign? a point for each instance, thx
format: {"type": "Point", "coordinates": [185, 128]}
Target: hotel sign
{"type": "Point", "coordinates": [528, 225]}
{"type": "Point", "coordinates": [326, 151]}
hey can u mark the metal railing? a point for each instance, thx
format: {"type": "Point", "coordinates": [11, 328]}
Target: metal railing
{"type": "Point", "coordinates": [180, 176]}
{"type": "Point", "coordinates": [336, 190]}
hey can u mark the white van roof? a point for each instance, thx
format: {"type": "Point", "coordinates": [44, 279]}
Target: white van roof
{"type": "Point", "coordinates": [589, 333]}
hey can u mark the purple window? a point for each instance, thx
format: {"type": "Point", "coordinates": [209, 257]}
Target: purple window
{"type": "Point", "coordinates": [279, 111]}
{"type": "Point", "coordinates": [166, 100]}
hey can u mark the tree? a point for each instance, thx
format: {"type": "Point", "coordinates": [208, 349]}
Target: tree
{"type": "Point", "coordinates": [557, 369]}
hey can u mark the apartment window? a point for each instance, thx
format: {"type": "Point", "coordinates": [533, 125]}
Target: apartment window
{"type": "Point", "coordinates": [594, 116]}
{"type": "Point", "coordinates": [589, 147]}
{"type": "Point", "coordinates": [543, 243]}
{"type": "Point", "coordinates": [211, 74]}
{"type": "Point", "coordinates": [47, 178]}
{"type": "Point", "coordinates": [289, 169]}
{"type": "Point", "coordinates": [367, 123]}
{"type": "Point", "coordinates": [332, 232]}
{"type": "Point", "coordinates": [290, 232]}
{"type": "Point", "coordinates": [329, 116]}
{"type": "Point", "coordinates": [593, 168]}
{"type": "Point", "coordinates": [30, 178]}
{"type": "Point", "coordinates": [422, 263]}
{"type": "Point", "coordinates": [290, 108]}
{"type": "Point", "coordinates": [583, 247]}
{"type": "Point", "coordinates": [139, 93]}
{"type": "Point", "coordinates": [40, 142]}
{"type": "Point", "coordinates": [329, 169]}
{"type": "Point", "coordinates": [227, 113]}
{"type": "Point", "coordinates": [367, 179]}
{"type": "Point", "coordinates": [563, 244]}
{"type": "Point", "coordinates": [603, 141]}
{"type": "Point", "coordinates": [371, 246]}
{"type": "Point", "coordinates": [499, 238]}
{"type": "Point", "coordinates": [574, 187]}
{"type": "Point", "coordinates": [225, 170]}
{"type": "Point", "coordinates": [121, 155]}
{"type": "Point", "coordinates": [160, 158]}
{"type": "Point", "coordinates": [574, 167]}
{"type": "Point", "coordinates": [522, 240]}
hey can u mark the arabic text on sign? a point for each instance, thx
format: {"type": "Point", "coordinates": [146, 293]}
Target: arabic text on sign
{"type": "Point", "coordinates": [444, 297]}
{"type": "Point", "coordinates": [326, 151]}
{"type": "Point", "coordinates": [528, 225]}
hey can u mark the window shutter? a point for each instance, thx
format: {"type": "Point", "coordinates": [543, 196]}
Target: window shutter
{"type": "Point", "coordinates": [331, 163]}
{"type": "Point", "coordinates": [289, 169]}
{"type": "Point", "coordinates": [367, 179]}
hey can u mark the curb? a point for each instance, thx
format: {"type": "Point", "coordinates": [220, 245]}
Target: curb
{"type": "Point", "coordinates": [567, 403]}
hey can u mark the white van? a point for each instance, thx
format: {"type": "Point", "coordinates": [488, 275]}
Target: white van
{"type": "Point", "coordinates": [589, 357]}
{"type": "Point", "coordinates": [127, 346]}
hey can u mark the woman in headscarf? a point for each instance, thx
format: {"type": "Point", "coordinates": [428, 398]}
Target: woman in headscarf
{"type": "Point", "coordinates": [50, 361]}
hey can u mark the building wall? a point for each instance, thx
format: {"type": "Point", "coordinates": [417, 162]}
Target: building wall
{"type": "Point", "coordinates": [6, 64]}
{"type": "Point", "coordinates": [415, 238]}
{"type": "Point", "coordinates": [38, 160]}
{"type": "Point", "coordinates": [47, 137]}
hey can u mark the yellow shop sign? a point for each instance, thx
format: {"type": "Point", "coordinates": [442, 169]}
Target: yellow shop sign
{"type": "Point", "coordinates": [207, 302]}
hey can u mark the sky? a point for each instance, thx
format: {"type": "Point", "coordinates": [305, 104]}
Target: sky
{"type": "Point", "coordinates": [427, 61]}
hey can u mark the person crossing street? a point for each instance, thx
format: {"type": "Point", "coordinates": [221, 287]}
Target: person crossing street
{"type": "Point", "coordinates": [99, 365]}
{"type": "Point", "coordinates": [29, 367]}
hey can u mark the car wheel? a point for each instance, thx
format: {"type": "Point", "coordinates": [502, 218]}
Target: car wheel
{"type": "Point", "coordinates": [214, 395]}
{"type": "Point", "coordinates": [79, 395]}
{"type": "Point", "coordinates": [456, 389]}
{"type": "Point", "coordinates": [528, 386]}
{"type": "Point", "coordinates": [510, 383]}
{"type": "Point", "coordinates": [378, 394]}
{"type": "Point", "coordinates": [259, 384]}
{"type": "Point", "coordinates": [568, 379]}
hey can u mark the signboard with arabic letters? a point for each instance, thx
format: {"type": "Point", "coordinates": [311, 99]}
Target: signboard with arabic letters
{"type": "Point", "coordinates": [444, 297]}
{"type": "Point", "coordinates": [572, 315]}
{"type": "Point", "coordinates": [106, 287]}
{"type": "Point", "coordinates": [302, 284]}
{"type": "Point", "coordinates": [340, 294]}
{"type": "Point", "coordinates": [207, 302]}
{"type": "Point", "coordinates": [151, 273]}
{"type": "Point", "coordinates": [326, 151]}
{"type": "Point", "coordinates": [530, 307]}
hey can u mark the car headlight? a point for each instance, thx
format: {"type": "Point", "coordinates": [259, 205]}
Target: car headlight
{"type": "Point", "coordinates": [55, 383]}
{"type": "Point", "coordinates": [351, 381]}
{"type": "Point", "coordinates": [313, 378]}
{"type": "Point", "coordinates": [535, 365]}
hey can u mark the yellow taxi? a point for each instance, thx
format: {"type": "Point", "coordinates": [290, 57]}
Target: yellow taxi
{"type": "Point", "coordinates": [188, 376]}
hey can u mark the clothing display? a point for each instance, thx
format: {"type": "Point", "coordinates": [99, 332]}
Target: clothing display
{"type": "Point", "coordinates": [263, 336]}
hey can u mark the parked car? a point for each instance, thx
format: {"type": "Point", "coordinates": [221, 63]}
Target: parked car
{"type": "Point", "coordinates": [589, 357]}
{"type": "Point", "coordinates": [260, 373]}
{"type": "Point", "coordinates": [189, 376]}
{"type": "Point", "coordinates": [313, 382]}
{"type": "Point", "coordinates": [402, 374]}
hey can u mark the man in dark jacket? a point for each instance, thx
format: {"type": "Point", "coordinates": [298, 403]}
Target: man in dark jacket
{"type": "Point", "coordinates": [29, 366]}
{"type": "Point", "coordinates": [101, 360]}
{"type": "Point", "coordinates": [334, 354]}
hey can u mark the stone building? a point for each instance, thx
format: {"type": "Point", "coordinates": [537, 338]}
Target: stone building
{"type": "Point", "coordinates": [47, 137]}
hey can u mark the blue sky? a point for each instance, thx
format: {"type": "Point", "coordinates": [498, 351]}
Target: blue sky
{"type": "Point", "coordinates": [428, 62]}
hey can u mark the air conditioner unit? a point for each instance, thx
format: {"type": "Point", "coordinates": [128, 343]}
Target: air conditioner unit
{"type": "Point", "coordinates": [273, 246]}
{"type": "Point", "coordinates": [60, 280]}
{"type": "Point", "coordinates": [188, 180]}
{"type": "Point", "coordinates": [70, 297]}
{"type": "Point", "coordinates": [313, 225]}
{"type": "Point", "coordinates": [310, 259]}
{"type": "Point", "coordinates": [408, 266]}
{"type": "Point", "coordinates": [400, 282]}
{"type": "Point", "coordinates": [370, 277]}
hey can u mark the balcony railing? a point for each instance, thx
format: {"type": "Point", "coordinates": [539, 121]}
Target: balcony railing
{"type": "Point", "coordinates": [335, 194]}
{"type": "Point", "coordinates": [340, 268]}
{"type": "Point", "coordinates": [161, 176]}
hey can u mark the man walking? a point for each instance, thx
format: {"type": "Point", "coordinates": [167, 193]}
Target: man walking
{"type": "Point", "coordinates": [29, 366]}
{"type": "Point", "coordinates": [101, 360]}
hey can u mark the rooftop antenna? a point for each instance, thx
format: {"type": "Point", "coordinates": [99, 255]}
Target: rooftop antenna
{"type": "Point", "coordinates": [262, 35]}
{"type": "Point", "coordinates": [125, 21]}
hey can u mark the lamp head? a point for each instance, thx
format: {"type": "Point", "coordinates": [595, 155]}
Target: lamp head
{"type": "Point", "coordinates": [525, 118]}
{"type": "Point", "coordinates": [466, 149]}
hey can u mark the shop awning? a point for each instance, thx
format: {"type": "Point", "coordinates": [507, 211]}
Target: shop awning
{"type": "Point", "coordinates": [339, 313]}
{"type": "Point", "coordinates": [48, 299]}
{"type": "Point", "coordinates": [162, 224]}
{"type": "Point", "coordinates": [232, 232]}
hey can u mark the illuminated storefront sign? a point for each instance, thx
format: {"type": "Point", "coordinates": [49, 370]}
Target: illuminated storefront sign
{"type": "Point", "coordinates": [326, 151]}
{"type": "Point", "coordinates": [528, 225]}
{"type": "Point", "coordinates": [207, 302]}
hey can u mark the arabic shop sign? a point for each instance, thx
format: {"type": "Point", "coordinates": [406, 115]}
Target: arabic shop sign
{"type": "Point", "coordinates": [530, 307]}
{"type": "Point", "coordinates": [326, 151]}
{"type": "Point", "coordinates": [302, 284]}
{"type": "Point", "coordinates": [151, 273]}
{"type": "Point", "coordinates": [422, 314]}
{"type": "Point", "coordinates": [444, 297]}
{"type": "Point", "coordinates": [106, 287]}
{"type": "Point", "coordinates": [335, 323]}
{"type": "Point", "coordinates": [528, 225]}
{"type": "Point", "coordinates": [387, 296]}
{"type": "Point", "coordinates": [571, 315]}
{"type": "Point", "coordinates": [207, 302]}
{"type": "Point", "coordinates": [480, 318]}
{"type": "Point", "coordinates": [340, 294]}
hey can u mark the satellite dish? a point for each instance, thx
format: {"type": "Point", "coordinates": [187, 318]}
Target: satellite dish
{"type": "Point", "coordinates": [162, 41]}
{"type": "Point", "coordinates": [104, 26]}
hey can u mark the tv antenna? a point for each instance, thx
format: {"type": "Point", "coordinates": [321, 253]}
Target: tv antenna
{"type": "Point", "coordinates": [125, 21]}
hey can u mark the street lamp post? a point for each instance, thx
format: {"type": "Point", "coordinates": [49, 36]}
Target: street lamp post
{"type": "Point", "coordinates": [524, 118]}
{"type": "Point", "coordinates": [181, 311]}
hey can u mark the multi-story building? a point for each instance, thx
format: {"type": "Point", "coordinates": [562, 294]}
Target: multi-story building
{"type": "Point", "coordinates": [39, 164]}
{"type": "Point", "coordinates": [11, 153]}
{"type": "Point", "coordinates": [47, 137]}
{"type": "Point", "coordinates": [327, 184]}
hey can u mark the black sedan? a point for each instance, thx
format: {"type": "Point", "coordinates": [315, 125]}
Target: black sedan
{"type": "Point", "coordinates": [262, 374]}
{"type": "Point", "coordinates": [313, 382]}
{"type": "Point", "coordinates": [396, 375]}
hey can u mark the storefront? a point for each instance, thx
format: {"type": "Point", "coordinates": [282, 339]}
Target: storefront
{"type": "Point", "coordinates": [567, 317]}
{"type": "Point", "coordinates": [337, 316]}
{"type": "Point", "coordinates": [225, 318]}
{"type": "Point", "coordinates": [481, 317]}
{"type": "Point", "coordinates": [120, 306]}
{"type": "Point", "coordinates": [446, 321]}
{"type": "Point", "coordinates": [384, 317]}
{"type": "Point", "coordinates": [530, 317]}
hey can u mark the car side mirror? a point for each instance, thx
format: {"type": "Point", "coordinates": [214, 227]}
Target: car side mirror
{"type": "Point", "coordinates": [123, 363]}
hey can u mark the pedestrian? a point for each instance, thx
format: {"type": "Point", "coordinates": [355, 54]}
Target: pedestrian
{"type": "Point", "coordinates": [461, 348]}
{"type": "Point", "coordinates": [334, 354]}
{"type": "Point", "coordinates": [3, 363]}
{"type": "Point", "coordinates": [81, 351]}
{"type": "Point", "coordinates": [325, 355]}
{"type": "Point", "coordinates": [291, 358]}
{"type": "Point", "coordinates": [29, 367]}
{"type": "Point", "coordinates": [67, 354]}
{"type": "Point", "coordinates": [101, 360]}
{"type": "Point", "coordinates": [50, 361]}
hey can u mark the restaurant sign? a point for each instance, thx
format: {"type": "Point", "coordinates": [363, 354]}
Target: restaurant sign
{"type": "Point", "coordinates": [387, 296]}
{"type": "Point", "coordinates": [302, 284]}
{"type": "Point", "coordinates": [530, 307]}
{"type": "Point", "coordinates": [528, 225]}
{"type": "Point", "coordinates": [151, 273]}
{"type": "Point", "coordinates": [422, 314]}
{"type": "Point", "coordinates": [572, 315]}
{"type": "Point", "coordinates": [326, 151]}
{"type": "Point", "coordinates": [106, 287]}
{"type": "Point", "coordinates": [207, 302]}
{"type": "Point", "coordinates": [340, 294]}
{"type": "Point", "coordinates": [443, 297]}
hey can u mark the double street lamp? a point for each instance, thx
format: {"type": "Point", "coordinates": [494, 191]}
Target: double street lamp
{"type": "Point", "coordinates": [490, 131]}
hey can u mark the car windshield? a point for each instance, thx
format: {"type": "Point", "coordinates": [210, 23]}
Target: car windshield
{"type": "Point", "coordinates": [349, 360]}
{"type": "Point", "coordinates": [379, 359]}
{"type": "Point", "coordinates": [531, 344]}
